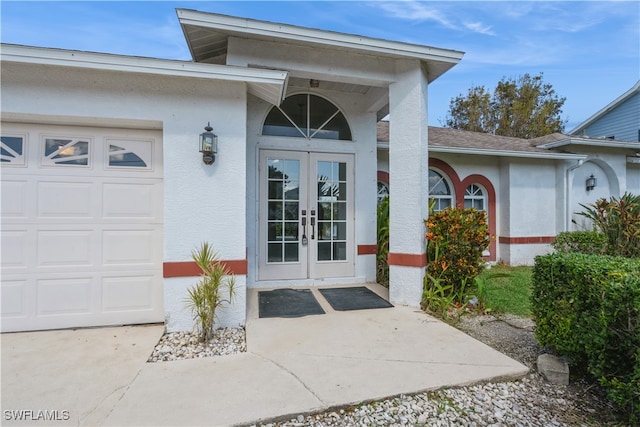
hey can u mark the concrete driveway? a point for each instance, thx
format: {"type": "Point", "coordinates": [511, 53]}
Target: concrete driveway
{"type": "Point", "coordinates": [70, 377]}
{"type": "Point", "coordinates": [292, 366]}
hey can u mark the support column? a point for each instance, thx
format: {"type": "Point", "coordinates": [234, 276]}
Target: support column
{"type": "Point", "coordinates": [409, 172]}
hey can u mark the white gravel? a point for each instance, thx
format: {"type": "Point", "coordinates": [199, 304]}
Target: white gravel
{"type": "Point", "coordinates": [528, 402]}
{"type": "Point", "coordinates": [185, 345]}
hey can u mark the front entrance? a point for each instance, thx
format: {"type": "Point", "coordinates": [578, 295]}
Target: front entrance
{"type": "Point", "coordinates": [306, 218]}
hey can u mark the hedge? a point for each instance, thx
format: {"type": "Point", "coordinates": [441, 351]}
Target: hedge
{"type": "Point", "coordinates": [586, 242]}
{"type": "Point", "coordinates": [587, 308]}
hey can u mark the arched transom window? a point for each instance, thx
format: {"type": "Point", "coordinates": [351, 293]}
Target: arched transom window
{"type": "Point", "coordinates": [474, 198]}
{"type": "Point", "coordinates": [307, 116]}
{"type": "Point", "coordinates": [440, 191]}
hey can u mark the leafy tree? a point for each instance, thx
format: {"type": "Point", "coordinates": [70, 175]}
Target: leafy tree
{"type": "Point", "coordinates": [525, 108]}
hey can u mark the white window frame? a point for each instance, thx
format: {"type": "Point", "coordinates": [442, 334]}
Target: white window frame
{"type": "Point", "coordinates": [438, 197]}
{"type": "Point", "coordinates": [474, 197]}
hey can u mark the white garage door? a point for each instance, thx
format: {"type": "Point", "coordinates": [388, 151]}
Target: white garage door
{"type": "Point", "coordinates": [81, 236]}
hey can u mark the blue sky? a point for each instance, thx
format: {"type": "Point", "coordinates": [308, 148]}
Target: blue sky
{"type": "Point", "coordinates": [589, 51]}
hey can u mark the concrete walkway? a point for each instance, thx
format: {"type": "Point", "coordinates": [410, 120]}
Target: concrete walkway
{"type": "Point", "coordinates": [292, 366]}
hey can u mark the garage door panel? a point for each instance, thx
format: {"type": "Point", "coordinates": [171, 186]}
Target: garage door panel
{"type": "Point", "coordinates": [128, 293]}
{"type": "Point", "coordinates": [14, 298]}
{"type": "Point", "coordinates": [129, 247]}
{"type": "Point", "coordinates": [65, 296]}
{"type": "Point", "coordinates": [127, 200]}
{"type": "Point", "coordinates": [14, 247]}
{"type": "Point", "coordinates": [66, 199]}
{"type": "Point", "coordinates": [65, 248]}
{"type": "Point", "coordinates": [14, 198]}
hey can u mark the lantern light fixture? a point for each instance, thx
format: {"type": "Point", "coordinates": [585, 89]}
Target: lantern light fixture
{"type": "Point", "coordinates": [591, 183]}
{"type": "Point", "coordinates": [208, 145]}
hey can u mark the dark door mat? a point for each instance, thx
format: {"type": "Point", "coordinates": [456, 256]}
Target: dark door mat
{"type": "Point", "coordinates": [288, 303]}
{"type": "Point", "coordinates": [355, 298]}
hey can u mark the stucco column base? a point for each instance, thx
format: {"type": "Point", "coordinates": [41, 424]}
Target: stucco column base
{"type": "Point", "coordinates": [407, 285]}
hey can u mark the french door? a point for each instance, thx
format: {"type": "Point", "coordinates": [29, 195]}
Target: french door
{"type": "Point", "coordinates": [306, 218]}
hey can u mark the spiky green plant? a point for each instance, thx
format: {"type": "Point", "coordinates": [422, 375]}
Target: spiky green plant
{"type": "Point", "coordinates": [382, 266]}
{"type": "Point", "coordinates": [619, 221]}
{"type": "Point", "coordinates": [215, 288]}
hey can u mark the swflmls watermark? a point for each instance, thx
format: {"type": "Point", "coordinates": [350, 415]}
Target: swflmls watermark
{"type": "Point", "coordinates": [36, 415]}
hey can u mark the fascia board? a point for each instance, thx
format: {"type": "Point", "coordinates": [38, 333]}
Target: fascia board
{"type": "Point", "coordinates": [500, 153]}
{"type": "Point", "coordinates": [591, 143]}
{"type": "Point", "coordinates": [274, 79]}
{"type": "Point", "coordinates": [293, 33]}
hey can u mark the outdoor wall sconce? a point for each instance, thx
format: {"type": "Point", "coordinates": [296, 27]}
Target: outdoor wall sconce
{"type": "Point", "coordinates": [208, 145]}
{"type": "Point", "coordinates": [591, 183]}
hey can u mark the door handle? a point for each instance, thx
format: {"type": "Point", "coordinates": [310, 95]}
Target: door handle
{"type": "Point", "coordinates": [304, 227]}
{"type": "Point", "coordinates": [313, 224]}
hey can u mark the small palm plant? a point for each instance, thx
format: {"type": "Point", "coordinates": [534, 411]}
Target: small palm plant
{"type": "Point", "coordinates": [215, 288]}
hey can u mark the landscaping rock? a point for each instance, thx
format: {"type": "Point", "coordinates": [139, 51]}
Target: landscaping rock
{"type": "Point", "coordinates": [554, 369]}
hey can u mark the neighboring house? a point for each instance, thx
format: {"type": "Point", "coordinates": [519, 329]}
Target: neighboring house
{"type": "Point", "coordinates": [105, 193]}
{"type": "Point", "coordinates": [531, 189]}
{"type": "Point", "coordinates": [620, 120]}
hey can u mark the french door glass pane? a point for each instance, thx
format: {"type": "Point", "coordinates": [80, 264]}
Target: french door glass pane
{"type": "Point", "coordinates": [332, 210]}
{"type": "Point", "coordinates": [283, 210]}
{"type": "Point", "coordinates": [324, 251]}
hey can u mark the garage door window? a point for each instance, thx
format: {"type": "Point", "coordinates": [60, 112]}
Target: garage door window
{"type": "Point", "coordinates": [12, 150]}
{"type": "Point", "coordinates": [130, 153]}
{"type": "Point", "coordinates": [74, 152]}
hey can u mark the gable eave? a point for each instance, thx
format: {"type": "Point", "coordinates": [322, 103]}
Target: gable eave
{"type": "Point", "coordinates": [207, 34]}
{"type": "Point", "coordinates": [612, 105]}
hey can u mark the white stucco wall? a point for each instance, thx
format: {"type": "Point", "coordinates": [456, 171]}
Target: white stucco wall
{"type": "Point", "coordinates": [533, 200]}
{"type": "Point", "coordinates": [201, 203]}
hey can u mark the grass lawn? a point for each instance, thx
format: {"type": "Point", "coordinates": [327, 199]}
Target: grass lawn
{"type": "Point", "coordinates": [507, 289]}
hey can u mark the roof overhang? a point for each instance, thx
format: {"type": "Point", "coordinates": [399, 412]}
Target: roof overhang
{"type": "Point", "coordinates": [207, 35]}
{"type": "Point", "coordinates": [601, 143]}
{"type": "Point", "coordinates": [269, 85]}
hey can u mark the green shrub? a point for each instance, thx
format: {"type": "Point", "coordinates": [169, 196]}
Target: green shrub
{"type": "Point", "coordinates": [586, 242]}
{"type": "Point", "coordinates": [456, 238]}
{"type": "Point", "coordinates": [619, 221]}
{"type": "Point", "coordinates": [215, 288]}
{"type": "Point", "coordinates": [382, 266]}
{"type": "Point", "coordinates": [587, 307]}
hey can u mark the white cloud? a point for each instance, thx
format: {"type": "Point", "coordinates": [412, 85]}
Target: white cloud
{"type": "Point", "coordinates": [479, 27]}
{"type": "Point", "coordinates": [415, 11]}
{"type": "Point", "coordinates": [445, 14]}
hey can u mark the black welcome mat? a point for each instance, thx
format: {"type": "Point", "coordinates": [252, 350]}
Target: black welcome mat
{"type": "Point", "coordinates": [288, 303]}
{"type": "Point", "coordinates": [355, 298]}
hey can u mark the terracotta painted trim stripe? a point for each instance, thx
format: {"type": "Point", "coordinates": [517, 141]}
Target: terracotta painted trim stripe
{"type": "Point", "coordinates": [526, 240]}
{"type": "Point", "coordinates": [367, 249]}
{"type": "Point", "coordinates": [407, 260]}
{"type": "Point", "coordinates": [191, 269]}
